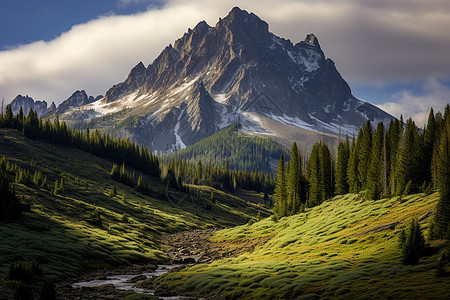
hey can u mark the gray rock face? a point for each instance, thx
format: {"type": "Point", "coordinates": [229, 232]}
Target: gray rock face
{"type": "Point", "coordinates": [27, 103]}
{"type": "Point", "coordinates": [77, 99]}
{"type": "Point", "coordinates": [212, 75]}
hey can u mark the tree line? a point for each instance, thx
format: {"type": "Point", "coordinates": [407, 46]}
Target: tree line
{"type": "Point", "coordinates": [177, 170]}
{"type": "Point", "coordinates": [180, 172]}
{"type": "Point", "coordinates": [395, 161]}
{"type": "Point", "coordinates": [102, 145]}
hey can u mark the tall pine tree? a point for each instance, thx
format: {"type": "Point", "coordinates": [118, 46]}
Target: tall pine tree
{"type": "Point", "coordinates": [294, 180]}
{"type": "Point", "coordinates": [375, 175]}
{"type": "Point", "coordinates": [364, 154]}
{"type": "Point", "coordinates": [280, 194]}
{"type": "Point", "coordinates": [352, 169]}
{"type": "Point", "coordinates": [443, 180]}
{"type": "Point", "coordinates": [393, 142]}
{"type": "Point", "coordinates": [429, 139]}
{"type": "Point", "coordinates": [319, 174]}
{"type": "Point", "coordinates": [408, 165]}
{"type": "Point", "coordinates": [343, 156]}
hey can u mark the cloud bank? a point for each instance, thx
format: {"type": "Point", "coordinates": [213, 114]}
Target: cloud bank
{"type": "Point", "coordinates": [373, 42]}
{"type": "Point", "coordinates": [433, 94]}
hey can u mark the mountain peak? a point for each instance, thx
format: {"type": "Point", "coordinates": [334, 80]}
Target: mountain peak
{"type": "Point", "coordinates": [201, 26]}
{"type": "Point", "coordinates": [236, 11]}
{"type": "Point", "coordinates": [312, 40]}
{"type": "Point", "coordinates": [138, 69]}
{"type": "Point", "coordinates": [236, 69]}
{"type": "Point", "coordinates": [241, 18]}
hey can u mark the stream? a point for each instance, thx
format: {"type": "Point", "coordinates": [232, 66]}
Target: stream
{"type": "Point", "coordinates": [182, 248]}
{"type": "Point", "coordinates": [122, 282]}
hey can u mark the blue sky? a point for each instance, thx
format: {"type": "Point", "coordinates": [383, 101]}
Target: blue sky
{"type": "Point", "coordinates": [393, 53]}
{"type": "Point", "coordinates": [25, 21]}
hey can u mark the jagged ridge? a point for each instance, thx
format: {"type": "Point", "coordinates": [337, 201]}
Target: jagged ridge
{"type": "Point", "coordinates": [237, 69]}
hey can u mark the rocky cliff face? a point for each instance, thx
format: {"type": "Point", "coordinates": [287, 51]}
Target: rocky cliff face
{"type": "Point", "coordinates": [237, 69]}
{"type": "Point", "coordinates": [27, 103]}
{"type": "Point", "coordinates": [77, 99]}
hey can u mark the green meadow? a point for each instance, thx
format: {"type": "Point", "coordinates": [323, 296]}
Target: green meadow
{"type": "Point", "coordinates": [85, 226]}
{"type": "Point", "coordinates": [339, 249]}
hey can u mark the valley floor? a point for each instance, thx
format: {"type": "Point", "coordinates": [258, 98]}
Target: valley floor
{"type": "Point", "coordinates": [344, 248]}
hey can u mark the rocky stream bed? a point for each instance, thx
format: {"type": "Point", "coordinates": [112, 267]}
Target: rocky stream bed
{"type": "Point", "coordinates": [183, 249]}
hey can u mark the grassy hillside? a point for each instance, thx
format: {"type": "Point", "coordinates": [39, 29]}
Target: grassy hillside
{"type": "Point", "coordinates": [58, 231]}
{"type": "Point", "coordinates": [340, 249]}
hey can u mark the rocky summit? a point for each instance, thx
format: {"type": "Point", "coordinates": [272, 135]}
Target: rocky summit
{"type": "Point", "coordinates": [27, 103]}
{"type": "Point", "coordinates": [212, 76]}
{"type": "Point", "coordinates": [77, 99]}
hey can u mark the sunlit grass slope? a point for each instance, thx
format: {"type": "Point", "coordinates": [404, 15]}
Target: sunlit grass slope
{"type": "Point", "coordinates": [330, 251]}
{"type": "Point", "coordinates": [58, 231]}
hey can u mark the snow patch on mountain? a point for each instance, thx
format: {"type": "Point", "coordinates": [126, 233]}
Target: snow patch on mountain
{"type": "Point", "coordinates": [310, 61]}
{"type": "Point", "coordinates": [185, 85]}
{"type": "Point", "coordinates": [101, 108]}
{"type": "Point", "coordinates": [178, 141]}
{"type": "Point", "coordinates": [336, 128]}
{"type": "Point", "coordinates": [220, 98]}
{"type": "Point", "coordinates": [251, 122]}
{"type": "Point", "coordinates": [294, 121]}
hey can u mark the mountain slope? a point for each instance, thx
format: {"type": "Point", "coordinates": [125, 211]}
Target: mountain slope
{"type": "Point", "coordinates": [241, 151]}
{"type": "Point", "coordinates": [59, 230]}
{"type": "Point", "coordinates": [344, 248]}
{"type": "Point", "coordinates": [214, 75]}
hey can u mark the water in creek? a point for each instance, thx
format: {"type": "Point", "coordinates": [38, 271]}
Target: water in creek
{"type": "Point", "coordinates": [121, 282]}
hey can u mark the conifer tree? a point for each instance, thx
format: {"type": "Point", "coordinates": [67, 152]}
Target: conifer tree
{"type": "Point", "coordinates": [20, 119]}
{"type": "Point", "coordinates": [393, 142]}
{"type": "Point", "coordinates": [199, 171]}
{"type": "Point", "coordinates": [408, 164]}
{"type": "Point", "coordinates": [326, 169]}
{"type": "Point", "coordinates": [8, 118]}
{"type": "Point", "coordinates": [319, 174]}
{"type": "Point", "coordinates": [9, 204]}
{"type": "Point", "coordinates": [413, 245]}
{"type": "Point", "coordinates": [115, 174]}
{"type": "Point", "coordinates": [313, 176]}
{"type": "Point", "coordinates": [429, 139]}
{"type": "Point", "coordinates": [375, 174]}
{"type": "Point", "coordinates": [294, 180]}
{"type": "Point", "coordinates": [44, 182]}
{"type": "Point", "coordinates": [61, 186]}
{"type": "Point", "coordinates": [352, 169]}
{"type": "Point", "coordinates": [56, 188]}
{"type": "Point", "coordinates": [364, 153]}
{"type": "Point", "coordinates": [280, 194]}
{"type": "Point", "coordinates": [343, 157]}
{"type": "Point", "coordinates": [140, 182]}
{"type": "Point", "coordinates": [443, 181]}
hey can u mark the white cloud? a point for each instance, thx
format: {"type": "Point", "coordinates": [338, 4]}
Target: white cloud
{"type": "Point", "coordinates": [92, 56]}
{"type": "Point", "coordinates": [373, 42]}
{"type": "Point", "coordinates": [433, 94]}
